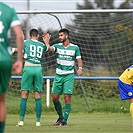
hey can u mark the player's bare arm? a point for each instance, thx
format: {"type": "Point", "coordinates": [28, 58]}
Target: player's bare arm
{"type": "Point", "coordinates": [46, 39]}
{"type": "Point", "coordinates": [17, 67]}
{"type": "Point", "coordinates": [80, 66]}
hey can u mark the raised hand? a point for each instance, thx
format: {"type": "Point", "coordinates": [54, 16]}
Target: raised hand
{"type": "Point", "coordinates": [46, 38]}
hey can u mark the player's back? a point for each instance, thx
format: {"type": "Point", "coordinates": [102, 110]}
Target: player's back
{"type": "Point", "coordinates": [33, 51]}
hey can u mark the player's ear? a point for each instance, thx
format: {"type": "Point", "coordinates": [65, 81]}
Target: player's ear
{"type": "Point", "coordinates": [66, 36]}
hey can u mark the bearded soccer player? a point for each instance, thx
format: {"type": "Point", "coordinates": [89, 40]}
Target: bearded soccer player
{"type": "Point", "coordinates": [8, 18]}
{"type": "Point", "coordinates": [66, 54]}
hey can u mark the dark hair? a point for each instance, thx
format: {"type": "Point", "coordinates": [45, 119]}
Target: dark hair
{"type": "Point", "coordinates": [34, 32]}
{"type": "Point", "coordinates": [65, 31]}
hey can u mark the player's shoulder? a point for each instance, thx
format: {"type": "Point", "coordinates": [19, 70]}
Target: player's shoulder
{"type": "Point", "coordinates": [130, 68]}
{"type": "Point", "coordinates": [6, 7]}
{"type": "Point", "coordinates": [42, 43]}
{"type": "Point", "coordinates": [27, 40]}
{"type": "Point", "coordinates": [73, 45]}
{"type": "Point", "coordinates": [57, 45]}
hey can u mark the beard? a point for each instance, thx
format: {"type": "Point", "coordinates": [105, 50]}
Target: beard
{"type": "Point", "coordinates": [62, 40]}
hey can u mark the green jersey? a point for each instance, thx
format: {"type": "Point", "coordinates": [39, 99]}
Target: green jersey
{"type": "Point", "coordinates": [66, 57]}
{"type": "Point", "coordinates": [33, 51]}
{"type": "Point", "coordinates": [8, 18]}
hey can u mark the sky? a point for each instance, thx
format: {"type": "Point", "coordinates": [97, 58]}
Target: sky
{"type": "Point", "coordinates": [43, 5]}
{"type": "Point", "coordinates": [21, 5]}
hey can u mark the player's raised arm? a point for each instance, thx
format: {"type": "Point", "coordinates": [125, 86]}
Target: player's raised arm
{"type": "Point", "coordinates": [46, 38]}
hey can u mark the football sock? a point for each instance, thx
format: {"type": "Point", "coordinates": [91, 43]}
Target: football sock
{"type": "Point", "coordinates": [131, 110]}
{"type": "Point", "coordinates": [38, 109]}
{"type": "Point", "coordinates": [58, 109]}
{"type": "Point", "coordinates": [2, 127]}
{"type": "Point", "coordinates": [22, 108]}
{"type": "Point", "coordinates": [67, 110]}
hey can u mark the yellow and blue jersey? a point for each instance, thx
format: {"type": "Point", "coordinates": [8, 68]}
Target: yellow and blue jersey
{"type": "Point", "coordinates": [127, 76]}
{"type": "Point", "coordinates": [125, 84]}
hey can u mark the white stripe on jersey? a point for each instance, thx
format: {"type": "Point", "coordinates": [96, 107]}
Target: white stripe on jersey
{"type": "Point", "coordinates": [78, 57]}
{"type": "Point", "coordinates": [65, 62]}
{"type": "Point", "coordinates": [65, 52]}
{"type": "Point", "coordinates": [59, 71]}
{"type": "Point", "coordinates": [16, 22]}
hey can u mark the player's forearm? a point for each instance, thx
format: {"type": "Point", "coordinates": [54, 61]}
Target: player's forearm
{"type": "Point", "coordinates": [20, 48]}
{"type": "Point", "coordinates": [80, 64]}
{"type": "Point", "coordinates": [19, 41]}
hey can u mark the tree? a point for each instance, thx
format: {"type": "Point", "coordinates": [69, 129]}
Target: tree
{"type": "Point", "coordinates": [102, 34]}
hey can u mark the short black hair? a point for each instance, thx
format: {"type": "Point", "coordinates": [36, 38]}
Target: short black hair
{"type": "Point", "coordinates": [34, 32]}
{"type": "Point", "coordinates": [66, 31]}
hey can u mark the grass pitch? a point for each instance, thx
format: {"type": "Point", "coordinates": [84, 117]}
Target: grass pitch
{"type": "Point", "coordinates": [78, 123]}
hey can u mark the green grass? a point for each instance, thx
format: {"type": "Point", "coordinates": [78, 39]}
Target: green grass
{"type": "Point", "coordinates": [78, 123]}
{"type": "Point", "coordinates": [112, 105]}
{"type": "Point", "coordinates": [104, 116]}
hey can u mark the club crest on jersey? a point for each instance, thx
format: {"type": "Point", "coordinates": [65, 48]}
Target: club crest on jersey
{"type": "Point", "coordinates": [130, 94]}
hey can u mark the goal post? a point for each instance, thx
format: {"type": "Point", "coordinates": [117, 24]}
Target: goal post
{"type": "Point", "coordinates": [105, 39]}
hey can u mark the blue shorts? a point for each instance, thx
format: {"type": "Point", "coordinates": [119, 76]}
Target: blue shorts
{"type": "Point", "coordinates": [126, 90]}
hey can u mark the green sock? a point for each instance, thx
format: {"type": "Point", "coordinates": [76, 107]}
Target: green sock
{"type": "Point", "coordinates": [38, 109]}
{"type": "Point", "coordinates": [22, 108]}
{"type": "Point", "coordinates": [2, 127]}
{"type": "Point", "coordinates": [58, 109]}
{"type": "Point", "coordinates": [67, 110]}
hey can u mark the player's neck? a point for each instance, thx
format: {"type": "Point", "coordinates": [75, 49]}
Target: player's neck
{"type": "Point", "coordinates": [66, 43]}
{"type": "Point", "coordinates": [34, 38]}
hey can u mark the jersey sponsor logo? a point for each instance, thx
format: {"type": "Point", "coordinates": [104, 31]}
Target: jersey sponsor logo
{"type": "Point", "coordinates": [65, 52]}
{"type": "Point", "coordinates": [35, 60]}
{"type": "Point", "coordinates": [65, 57]}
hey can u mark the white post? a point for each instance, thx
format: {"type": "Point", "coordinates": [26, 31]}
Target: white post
{"type": "Point", "coordinates": [48, 92]}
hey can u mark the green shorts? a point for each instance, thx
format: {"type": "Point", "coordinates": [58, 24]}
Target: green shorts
{"type": "Point", "coordinates": [5, 70]}
{"type": "Point", "coordinates": [32, 78]}
{"type": "Point", "coordinates": [63, 84]}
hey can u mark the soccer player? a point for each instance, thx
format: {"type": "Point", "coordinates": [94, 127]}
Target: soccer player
{"type": "Point", "coordinates": [32, 75]}
{"type": "Point", "coordinates": [8, 18]}
{"type": "Point", "coordinates": [125, 84]}
{"type": "Point", "coordinates": [66, 54]}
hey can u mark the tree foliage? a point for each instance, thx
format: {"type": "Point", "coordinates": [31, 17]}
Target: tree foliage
{"type": "Point", "coordinates": [99, 44]}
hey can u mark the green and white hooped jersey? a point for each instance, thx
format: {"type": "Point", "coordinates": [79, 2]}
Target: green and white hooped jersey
{"type": "Point", "coordinates": [8, 18]}
{"type": "Point", "coordinates": [66, 57]}
{"type": "Point", "coordinates": [33, 51]}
